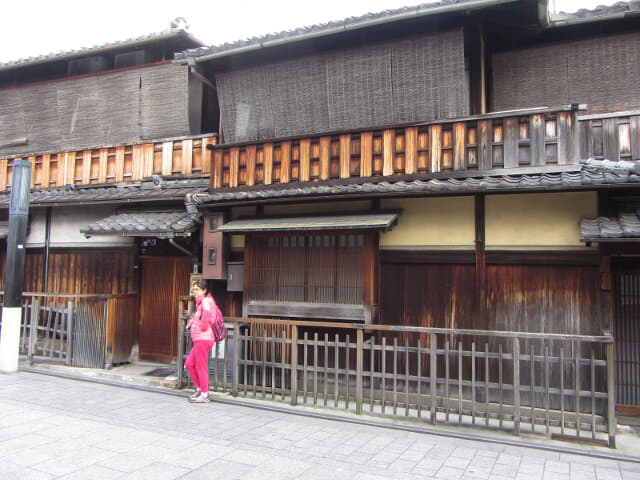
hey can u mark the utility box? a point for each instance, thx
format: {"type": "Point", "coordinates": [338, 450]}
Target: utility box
{"type": "Point", "coordinates": [214, 248]}
{"type": "Point", "coordinates": [235, 276]}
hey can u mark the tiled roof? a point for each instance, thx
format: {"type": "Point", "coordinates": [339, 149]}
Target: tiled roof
{"type": "Point", "coordinates": [590, 174]}
{"type": "Point", "coordinates": [603, 12]}
{"type": "Point", "coordinates": [335, 27]}
{"type": "Point", "coordinates": [164, 35]}
{"type": "Point", "coordinates": [156, 189]}
{"type": "Point", "coordinates": [380, 220]}
{"type": "Point", "coordinates": [147, 223]}
{"type": "Point", "coordinates": [624, 225]}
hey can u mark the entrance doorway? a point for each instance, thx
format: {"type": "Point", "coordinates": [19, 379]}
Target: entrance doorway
{"type": "Point", "coordinates": [626, 320]}
{"type": "Point", "coordinates": [164, 279]}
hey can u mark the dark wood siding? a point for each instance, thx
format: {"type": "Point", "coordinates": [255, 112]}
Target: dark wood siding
{"type": "Point", "coordinates": [529, 298]}
{"type": "Point", "coordinates": [80, 272]}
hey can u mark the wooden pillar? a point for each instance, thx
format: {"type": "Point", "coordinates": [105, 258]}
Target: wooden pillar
{"type": "Point", "coordinates": [481, 267]}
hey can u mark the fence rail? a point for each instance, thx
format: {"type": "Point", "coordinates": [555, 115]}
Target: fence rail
{"type": "Point", "coordinates": [559, 385]}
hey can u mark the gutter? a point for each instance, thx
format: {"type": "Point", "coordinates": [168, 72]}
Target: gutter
{"type": "Point", "coordinates": [416, 12]}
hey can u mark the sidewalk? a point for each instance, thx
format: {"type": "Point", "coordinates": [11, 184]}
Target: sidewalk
{"type": "Point", "coordinates": [52, 427]}
{"type": "Point", "coordinates": [161, 378]}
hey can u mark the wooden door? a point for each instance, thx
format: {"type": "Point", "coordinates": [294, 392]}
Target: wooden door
{"type": "Point", "coordinates": [163, 281]}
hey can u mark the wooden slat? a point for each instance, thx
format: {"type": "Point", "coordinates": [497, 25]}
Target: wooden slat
{"type": "Point", "coordinates": [69, 168]}
{"type": "Point", "coordinates": [86, 167]}
{"type": "Point", "coordinates": [207, 154]}
{"type": "Point", "coordinates": [410, 150]}
{"type": "Point", "coordinates": [137, 158]}
{"type": "Point", "coordinates": [510, 151]}
{"type": "Point", "coordinates": [32, 179]}
{"type": "Point", "coordinates": [345, 156]}
{"type": "Point", "coordinates": [3, 174]}
{"type": "Point", "coordinates": [251, 165]}
{"type": "Point", "coordinates": [187, 157]}
{"type": "Point", "coordinates": [567, 144]}
{"type": "Point", "coordinates": [388, 137]}
{"type": "Point", "coordinates": [366, 154]}
{"type": "Point", "coordinates": [537, 141]}
{"type": "Point", "coordinates": [268, 163]}
{"type": "Point", "coordinates": [459, 137]}
{"type": "Point", "coordinates": [325, 157]}
{"type": "Point", "coordinates": [435, 154]}
{"type": "Point", "coordinates": [234, 159]}
{"type": "Point", "coordinates": [634, 126]}
{"type": "Point", "coordinates": [305, 159]}
{"type": "Point", "coordinates": [167, 158]}
{"type": "Point", "coordinates": [485, 153]}
{"type": "Point", "coordinates": [103, 159]}
{"type": "Point", "coordinates": [216, 178]}
{"type": "Point", "coordinates": [120, 164]}
{"type": "Point", "coordinates": [285, 162]}
{"type": "Point", "coordinates": [46, 170]}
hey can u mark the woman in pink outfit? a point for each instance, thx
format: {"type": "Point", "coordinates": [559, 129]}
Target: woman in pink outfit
{"type": "Point", "coordinates": [202, 336]}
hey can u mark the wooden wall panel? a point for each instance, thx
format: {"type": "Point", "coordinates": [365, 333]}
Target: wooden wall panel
{"type": "Point", "coordinates": [80, 272]}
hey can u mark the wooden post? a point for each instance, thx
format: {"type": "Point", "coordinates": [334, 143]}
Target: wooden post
{"type": "Point", "coordinates": [33, 329]}
{"type": "Point", "coordinates": [180, 354]}
{"type": "Point", "coordinates": [433, 346]}
{"type": "Point", "coordinates": [611, 395]}
{"type": "Point", "coordinates": [516, 386]}
{"type": "Point", "coordinates": [70, 314]}
{"type": "Point", "coordinates": [294, 365]}
{"type": "Point", "coordinates": [359, 365]}
{"type": "Point", "coordinates": [236, 359]}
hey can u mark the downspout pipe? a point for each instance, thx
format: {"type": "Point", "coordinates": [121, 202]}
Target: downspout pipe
{"type": "Point", "coordinates": [180, 247]}
{"type": "Point", "coordinates": [47, 244]}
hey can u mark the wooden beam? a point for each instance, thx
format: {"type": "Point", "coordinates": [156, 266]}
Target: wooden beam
{"type": "Point", "coordinates": [137, 158]}
{"type": "Point", "coordinates": [46, 170]}
{"type": "Point", "coordinates": [481, 266]}
{"type": "Point", "coordinates": [216, 177]}
{"type": "Point", "coordinates": [345, 156]}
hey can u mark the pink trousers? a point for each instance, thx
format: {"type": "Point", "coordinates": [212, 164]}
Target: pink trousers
{"type": "Point", "coordinates": [198, 364]}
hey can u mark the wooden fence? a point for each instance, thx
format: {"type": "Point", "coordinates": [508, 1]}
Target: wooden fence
{"type": "Point", "coordinates": [560, 385]}
{"type": "Point", "coordinates": [80, 330]}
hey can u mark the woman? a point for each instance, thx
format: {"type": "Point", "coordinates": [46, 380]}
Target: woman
{"type": "Point", "coordinates": [202, 336]}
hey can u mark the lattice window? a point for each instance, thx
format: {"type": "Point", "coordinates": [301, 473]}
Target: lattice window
{"type": "Point", "coordinates": [311, 268]}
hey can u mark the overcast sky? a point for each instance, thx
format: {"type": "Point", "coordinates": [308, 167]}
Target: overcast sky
{"type": "Point", "coordinates": [37, 27]}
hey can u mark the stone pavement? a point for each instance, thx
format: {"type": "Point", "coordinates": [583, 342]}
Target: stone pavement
{"type": "Point", "coordinates": [67, 429]}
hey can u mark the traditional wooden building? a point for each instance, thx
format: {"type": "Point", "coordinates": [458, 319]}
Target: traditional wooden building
{"type": "Point", "coordinates": [116, 135]}
{"type": "Point", "coordinates": [434, 166]}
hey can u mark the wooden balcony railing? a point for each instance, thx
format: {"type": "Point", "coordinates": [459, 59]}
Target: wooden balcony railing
{"type": "Point", "coordinates": [614, 136]}
{"type": "Point", "coordinates": [506, 140]}
{"type": "Point", "coordinates": [182, 156]}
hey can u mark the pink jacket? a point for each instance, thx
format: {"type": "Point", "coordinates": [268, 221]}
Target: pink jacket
{"type": "Point", "coordinates": [201, 323]}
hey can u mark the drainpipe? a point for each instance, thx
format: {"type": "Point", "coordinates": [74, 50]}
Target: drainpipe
{"type": "Point", "coordinates": [180, 247]}
{"type": "Point", "coordinates": [47, 243]}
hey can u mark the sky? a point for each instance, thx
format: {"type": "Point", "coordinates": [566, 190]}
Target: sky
{"type": "Point", "coordinates": [31, 28]}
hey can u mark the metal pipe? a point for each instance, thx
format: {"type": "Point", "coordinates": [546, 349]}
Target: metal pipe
{"type": "Point", "coordinates": [180, 247]}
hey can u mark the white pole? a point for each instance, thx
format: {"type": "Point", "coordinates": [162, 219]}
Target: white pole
{"type": "Point", "coordinates": [10, 339]}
